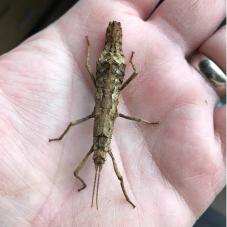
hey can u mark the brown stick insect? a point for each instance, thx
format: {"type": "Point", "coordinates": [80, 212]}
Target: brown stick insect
{"type": "Point", "coordinates": [110, 71]}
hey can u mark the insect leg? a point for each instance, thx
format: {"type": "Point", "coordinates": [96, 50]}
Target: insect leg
{"type": "Point", "coordinates": [80, 166]}
{"type": "Point", "coordinates": [137, 119]}
{"type": "Point", "coordinates": [133, 75]}
{"type": "Point", "coordinates": [73, 123]}
{"type": "Point", "coordinates": [88, 64]}
{"type": "Point", "coordinates": [120, 178]}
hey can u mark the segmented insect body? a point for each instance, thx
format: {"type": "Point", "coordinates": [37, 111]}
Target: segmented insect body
{"type": "Point", "coordinates": [109, 79]}
{"type": "Point", "coordinates": [110, 71]}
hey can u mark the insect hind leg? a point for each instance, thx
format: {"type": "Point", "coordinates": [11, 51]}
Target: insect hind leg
{"type": "Point", "coordinates": [120, 178]}
{"type": "Point", "coordinates": [80, 166]}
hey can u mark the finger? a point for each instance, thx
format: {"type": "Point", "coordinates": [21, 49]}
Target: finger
{"type": "Point", "coordinates": [144, 7]}
{"type": "Point", "coordinates": [220, 125]}
{"type": "Point", "coordinates": [188, 23]}
{"type": "Point", "coordinates": [213, 51]}
{"type": "Point", "coordinates": [215, 48]}
{"type": "Point", "coordinates": [211, 71]}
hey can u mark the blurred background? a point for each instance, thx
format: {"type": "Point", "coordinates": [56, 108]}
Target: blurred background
{"type": "Point", "coordinates": [20, 19]}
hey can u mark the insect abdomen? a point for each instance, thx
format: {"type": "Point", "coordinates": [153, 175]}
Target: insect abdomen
{"type": "Point", "coordinates": [105, 112]}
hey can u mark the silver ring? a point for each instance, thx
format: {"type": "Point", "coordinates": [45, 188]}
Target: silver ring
{"type": "Point", "coordinates": [210, 70]}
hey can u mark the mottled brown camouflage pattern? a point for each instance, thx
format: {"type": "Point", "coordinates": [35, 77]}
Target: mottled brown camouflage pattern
{"type": "Point", "coordinates": [110, 69]}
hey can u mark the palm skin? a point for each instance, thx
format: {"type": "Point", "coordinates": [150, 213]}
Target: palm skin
{"type": "Point", "coordinates": [172, 171]}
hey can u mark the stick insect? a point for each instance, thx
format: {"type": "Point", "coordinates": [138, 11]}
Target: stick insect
{"type": "Point", "coordinates": [110, 71]}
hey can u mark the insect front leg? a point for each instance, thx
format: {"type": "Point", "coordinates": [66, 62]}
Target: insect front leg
{"type": "Point", "coordinates": [73, 123]}
{"type": "Point", "coordinates": [120, 178]}
{"type": "Point", "coordinates": [136, 119]}
{"type": "Point", "coordinates": [133, 75]}
{"type": "Point", "coordinates": [88, 66]}
{"type": "Point", "coordinates": [80, 166]}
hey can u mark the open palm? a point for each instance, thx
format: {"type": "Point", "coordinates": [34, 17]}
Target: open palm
{"type": "Point", "coordinates": [172, 171]}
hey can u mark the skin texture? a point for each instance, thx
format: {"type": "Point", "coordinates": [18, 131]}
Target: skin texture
{"type": "Point", "coordinates": [172, 172]}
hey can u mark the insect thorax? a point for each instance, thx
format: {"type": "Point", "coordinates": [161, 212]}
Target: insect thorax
{"type": "Point", "coordinates": [110, 67]}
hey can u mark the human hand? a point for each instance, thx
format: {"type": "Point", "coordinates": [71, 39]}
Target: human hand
{"type": "Point", "coordinates": [172, 171]}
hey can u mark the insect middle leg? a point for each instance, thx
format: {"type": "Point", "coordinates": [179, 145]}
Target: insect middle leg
{"type": "Point", "coordinates": [120, 178]}
{"type": "Point", "coordinates": [133, 75]}
{"type": "Point", "coordinates": [136, 119]}
{"type": "Point", "coordinates": [80, 166]}
{"type": "Point", "coordinates": [73, 123]}
{"type": "Point", "coordinates": [88, 64]}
